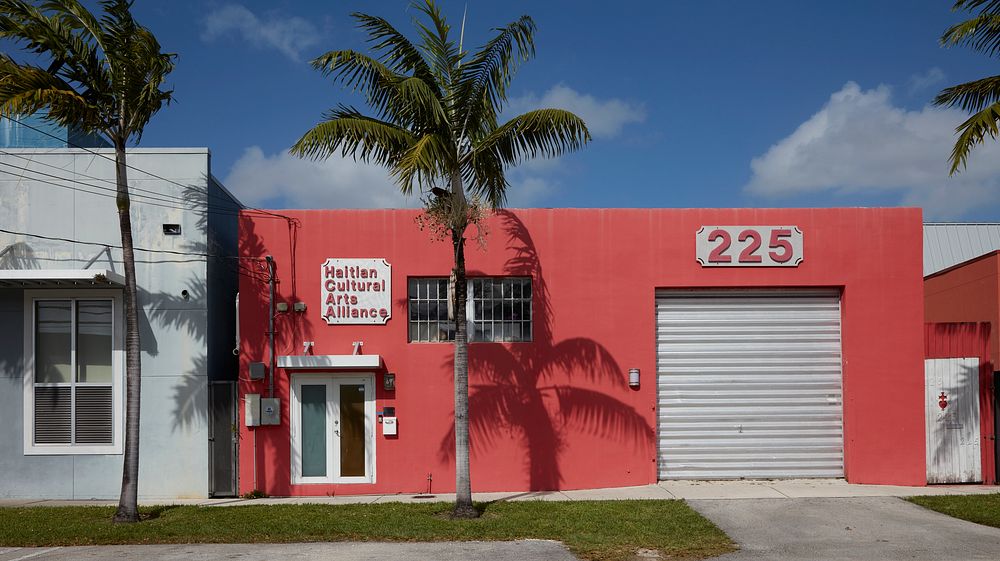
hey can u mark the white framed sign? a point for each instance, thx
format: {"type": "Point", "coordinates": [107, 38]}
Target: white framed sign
{"type": "Point", "coordinates": [749, 246]}
{"type": "Point", "coordinates": [356, 291]}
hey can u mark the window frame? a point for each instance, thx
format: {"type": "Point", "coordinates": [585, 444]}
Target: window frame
{"type": "Point", "coordinates": [117, 371]}
{"type": "Point", "coordinates": [470, 307]}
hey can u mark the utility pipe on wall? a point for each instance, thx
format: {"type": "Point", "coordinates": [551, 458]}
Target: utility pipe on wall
{"type": "Point", "coordinates": [270, 324]}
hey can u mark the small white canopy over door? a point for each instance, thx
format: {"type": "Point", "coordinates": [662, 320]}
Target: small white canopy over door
{"type": "Point", "coordinates": [952, 416]}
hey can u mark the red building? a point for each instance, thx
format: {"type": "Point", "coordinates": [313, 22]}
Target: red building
{"type": "Point", "coordinates": [611, 348]}
{"type": "Point", "coordinates": [969, 292]}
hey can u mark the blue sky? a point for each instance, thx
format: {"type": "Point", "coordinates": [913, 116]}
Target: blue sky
{"type": "Point", "coordinates": [692, 104]}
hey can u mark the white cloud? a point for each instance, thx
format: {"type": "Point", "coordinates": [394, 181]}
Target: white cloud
{"type": "Point", "coordinates": [288, 35]}
{"type": "Point", "coordinates": [859, 142]}
{"type": "Point", "coordinates": [528, 191]}
{"type": "Point", "coordinates": [604, 118]}
{"type": "Point", "coordinates": [920, 82]}
{"type": "Point", "coordinates": [292, 182]}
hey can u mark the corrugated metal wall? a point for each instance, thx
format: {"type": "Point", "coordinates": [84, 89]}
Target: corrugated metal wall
{"type": "Point", "coordinates": [947, 245]}
{"type": "Point", "coordinates": [749, 384]}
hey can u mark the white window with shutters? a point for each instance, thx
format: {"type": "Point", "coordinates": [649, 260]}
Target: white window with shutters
{"type": "Point", "coordinates": [74, 372]}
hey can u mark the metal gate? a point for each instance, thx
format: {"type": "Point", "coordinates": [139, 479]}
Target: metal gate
{"type": "Point", "coordinates": [222, 439]}
{"type": "Point", "coordinates": [952, 416]}
{"type": "Point", "coordinates": [749, 384]}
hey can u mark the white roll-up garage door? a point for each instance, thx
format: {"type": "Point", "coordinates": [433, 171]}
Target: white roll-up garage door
{"type": "Point", "coordinates": [749, 384]}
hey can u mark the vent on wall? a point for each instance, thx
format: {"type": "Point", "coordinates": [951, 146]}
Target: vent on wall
{"type": "Point", "coordinates": [171, 229]}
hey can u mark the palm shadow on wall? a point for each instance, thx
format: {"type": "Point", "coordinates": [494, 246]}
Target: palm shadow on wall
{"type": "Point", "coordinates": [945, 452]}
{"type": "Point", "coordinates": [533, 391]}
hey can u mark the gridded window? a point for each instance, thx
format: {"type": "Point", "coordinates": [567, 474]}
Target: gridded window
{"type": "Point", "coordinates": [73, 376]}
{"type": "Point", "coordinates": [498, 310]}
{"type": "Point", "coordinates": [429, 310]}
{"type": "Point", "coordinates": [501, 309]}
{"type": "Point", "coordinates": [73, 356]}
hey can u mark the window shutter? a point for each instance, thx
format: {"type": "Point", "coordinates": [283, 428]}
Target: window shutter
{"type": "Point", "coordinates": [94, 415]}
{"type": "Point", "coordinates": [53, 411]}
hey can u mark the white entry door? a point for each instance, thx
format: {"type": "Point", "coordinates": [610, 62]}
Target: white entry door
{"type": "Point", "coordinates": [332, 425]}
{"type": "Point", "coordinates": [952, 416]}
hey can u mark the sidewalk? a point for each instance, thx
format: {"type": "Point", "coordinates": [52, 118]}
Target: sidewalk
{"type": "Point", "coordinates": [693, 490]}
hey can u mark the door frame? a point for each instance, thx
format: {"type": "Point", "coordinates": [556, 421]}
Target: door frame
{"type": "Point", "coordinates": [331, 380]}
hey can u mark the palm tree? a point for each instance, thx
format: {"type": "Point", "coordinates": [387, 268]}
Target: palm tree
{"type": "Point", "coordinates": [982, 97]}
{"type": "Point", "coordinates": [519, 395]}
{"type": "Point", "coordinates": [103, 76]}
{"type": "Point", "coordinates": [435, 126]}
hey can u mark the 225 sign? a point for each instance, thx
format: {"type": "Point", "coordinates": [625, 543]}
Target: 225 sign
{"type": "Point", "coordinates": [749, 246]}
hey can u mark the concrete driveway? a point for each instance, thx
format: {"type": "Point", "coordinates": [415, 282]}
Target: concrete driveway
{"type": "Point", "coordinates": [884, 528]}
{"type": "Point", "coordinates": [526, 550]}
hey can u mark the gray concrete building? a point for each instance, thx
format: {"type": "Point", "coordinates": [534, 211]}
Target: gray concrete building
{"type": "Point", "coordinates": [62, 355]}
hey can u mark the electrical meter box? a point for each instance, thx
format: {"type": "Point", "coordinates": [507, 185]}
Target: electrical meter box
{"type": "Point", "coordinates": [257, 370]}
{"type": "Point", "coordinates": [251, 409]}
{"type": "Point", "coordinates": [270, 411]}
{"type": "Point", "coordinates": [389, 426]}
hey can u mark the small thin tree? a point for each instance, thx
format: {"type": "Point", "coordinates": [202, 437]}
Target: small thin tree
{"type": "Point", "coordinates": [981, 97]}
{"type": "Point", "coordinates": [104, 76]}
{"type": "Point", "coordinates": [435, 126]}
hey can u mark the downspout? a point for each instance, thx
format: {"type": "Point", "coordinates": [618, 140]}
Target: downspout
{"type": "Point", "coordinates": [270, 324]}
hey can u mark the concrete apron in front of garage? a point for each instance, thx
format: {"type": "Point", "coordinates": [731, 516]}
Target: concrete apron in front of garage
{"type": "Point", "coordinates": [863, 528]}
{"type": "Point", "coordinates": [690, 490]}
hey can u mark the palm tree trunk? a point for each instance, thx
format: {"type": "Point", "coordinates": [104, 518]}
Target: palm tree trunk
{"type": "Point", "coordinates": [463, 476]}
{"type": "Point", "coordinates": [128, 510]}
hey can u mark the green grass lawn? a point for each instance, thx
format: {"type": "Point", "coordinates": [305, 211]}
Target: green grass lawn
{"type": "Point", "coordinates": [599, 530]}
{"type": "Point", "coordinates": [981, 509]}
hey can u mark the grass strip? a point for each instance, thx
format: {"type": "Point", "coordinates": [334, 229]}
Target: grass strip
{"type": "Point", "coordinates": [596, 530]}
{"type": "Point", "coordinates": [981, 509]}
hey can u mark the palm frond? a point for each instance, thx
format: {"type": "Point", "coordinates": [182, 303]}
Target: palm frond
{"type": "Point", "coordinates": [544, 132]}
{"type": "Point", "coordinates": [27, 89]}
{"type": "Point", "coordinates": [363, 74]}
{"type": "Point", "coordinates": [485, 78]}
{"type": "Point", "coordinates": [350, 133]}
{"type": "Point", "coordinates": [429, 158]}
{"type": "Point", "coordinates": [439, 49]}
{"type": "Point", "coordinates": [971, 96]}
{"type": "Point", "coordinates": [74, 56]}
{"type": "Point", "coordinates": [434, 114]}
{"type": "Point", "coordinates": [972, 133]}
{"type": "Point", "coordinates": [484, 173]}
{"type": "Point", "coordinates": [398, 53]}
{"type": "Point", "coordinates": [113, 66]}
{"type": "Point", "coordinates": [73, 15]}
{"type": "Point", "coordinates": [980, 33]}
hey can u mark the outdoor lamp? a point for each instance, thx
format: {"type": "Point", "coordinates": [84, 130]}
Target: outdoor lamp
{"type": "Point", "coordinates": [633, 377]}
{"type": "Point", "coordinates": [389, 381]}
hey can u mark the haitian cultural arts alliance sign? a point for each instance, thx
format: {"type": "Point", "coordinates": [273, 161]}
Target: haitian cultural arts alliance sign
{"type": "Point", "coordinates": [356, 291]}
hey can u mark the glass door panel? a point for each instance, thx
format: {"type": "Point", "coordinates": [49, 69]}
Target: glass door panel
{"type": "Point", "coordinates": [313, 430]}
{"type": "Point", "coordinates": [352, 430]}
{"type": "Point", "coordinates": [332, 429]}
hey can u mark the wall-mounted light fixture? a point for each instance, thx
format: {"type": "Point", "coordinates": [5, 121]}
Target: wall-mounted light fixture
{"type": "Point", "coordinates": [633, 377]}
{"type": "Point", "coordinates": [389, 381]}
